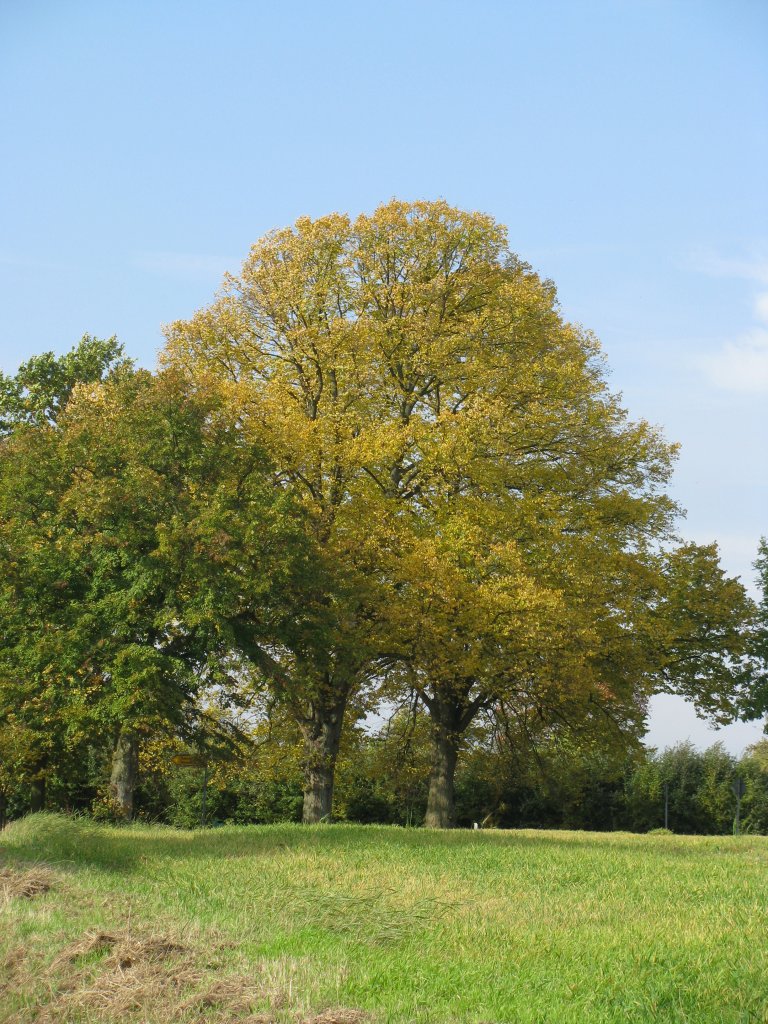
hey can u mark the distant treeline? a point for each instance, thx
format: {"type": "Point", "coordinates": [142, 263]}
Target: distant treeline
{"type": "Point", "coordinates": [383, 778]}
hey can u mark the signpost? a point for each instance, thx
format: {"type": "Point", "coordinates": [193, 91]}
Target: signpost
{"type": "Point", "coordinates": [187, 761]}
{"type": "Point", "coordinates": [739, 788]}
{"type": "Point", "coordinates": [195, 761]}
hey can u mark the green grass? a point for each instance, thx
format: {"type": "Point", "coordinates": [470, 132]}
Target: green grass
{"type": "Point", "coordinates": [408, 925]}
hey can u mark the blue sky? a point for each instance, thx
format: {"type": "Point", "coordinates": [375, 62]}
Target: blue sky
{"type": "Point", "coordinates": [145, 146]}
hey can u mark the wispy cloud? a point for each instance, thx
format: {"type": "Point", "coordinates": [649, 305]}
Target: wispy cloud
{"type": "Point", "coordinates": [741, 364]}
{"type": "Point", "coordinates": [19, 262]}
{"type": "Point", "coordinates": [183, 264]}
{"type": "Point", "coordinates": [750, 268]}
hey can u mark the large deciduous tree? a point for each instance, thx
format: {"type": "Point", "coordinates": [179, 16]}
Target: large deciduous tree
{"type": "Point", "coordinates": [483, 513]}
{"type": "Point", "coordinates": [31, 403]}
{"type": "Point", "coordinates": [111, 518]}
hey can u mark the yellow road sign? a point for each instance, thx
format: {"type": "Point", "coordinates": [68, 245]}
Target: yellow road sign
{"type": "Point", "coordinates": [187, 761]}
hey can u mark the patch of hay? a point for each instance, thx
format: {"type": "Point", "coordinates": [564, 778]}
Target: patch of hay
{"type": "Point", "coordinates": [129, 974]}
{"type": "Point", "coordinates": [12, 966]}
{"type": "Point", "coordinates": [91, 942]}
{"type": "Point", "coordinates": [27, 884]}
{"type": "Point", "coordinates": [230, 995]}
{"type": "Point", "coordinates": [126, 951]}
{"type": "Point", "coordinates": [113, 995]}
{"type": "Point", "coordinates": [106, 977]}
{"type": "Point", "coordinates": [116, 976]}
{"type": "Point", "coordinates": [338, 1016]}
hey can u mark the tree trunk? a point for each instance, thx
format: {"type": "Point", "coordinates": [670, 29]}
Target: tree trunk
{"type": "Point", "coordinates": [451, 711]}
{"type": "Point", "coordinates": [322, 733]}
{"type": "Point", "coordinates": [327, 695]}
{"type": "Point", "coordinates": [125, 770]}
{"type": "Point", "coordinates": [445, 752]}
{"type": "Point", "coordinates": [37, 794]}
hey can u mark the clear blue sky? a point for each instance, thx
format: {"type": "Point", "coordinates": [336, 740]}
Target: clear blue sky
{"type": "Point", "coordinates": [146, 145]}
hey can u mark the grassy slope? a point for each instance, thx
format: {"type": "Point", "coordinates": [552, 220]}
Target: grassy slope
{"type": "Point", "coordinates": [417, 926]}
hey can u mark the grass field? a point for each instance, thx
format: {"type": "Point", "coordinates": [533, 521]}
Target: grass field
{"type": "Point", "coordinates": [352, 923]}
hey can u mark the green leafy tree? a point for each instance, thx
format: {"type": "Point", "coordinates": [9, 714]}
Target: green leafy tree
{"type": "Point", "coordinates": [753, 769]}
{"type": "Point", "coordinates": [35, 397]}
{"type": "Point", "coordinates": [698, 785]}
{"type": "Point", "coordinates": [114, 520]}
{"type": "Point", "coordinates": [715, 798]}
{"type": "Point", "coordinates": [755, 700]}
{"type": "Point", "coordinates": [38, 393]}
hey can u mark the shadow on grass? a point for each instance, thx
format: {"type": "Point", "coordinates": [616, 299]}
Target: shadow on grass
{"type": "Point", "coordinates": [63, 839]}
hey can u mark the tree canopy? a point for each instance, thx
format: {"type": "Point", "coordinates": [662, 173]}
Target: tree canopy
{"type": "Point", "coordinates": [379, 466]}
{"type": "Point", "coordinates": [39, 391]}
{"type": "Point", "coordinates": [459, 454]}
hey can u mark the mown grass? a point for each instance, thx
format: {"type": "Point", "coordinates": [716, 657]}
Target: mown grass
{"type": "Point", "coordinates": [402, 925]}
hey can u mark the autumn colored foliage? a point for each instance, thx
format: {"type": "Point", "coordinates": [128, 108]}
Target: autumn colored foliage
{"type": "Point", "coordinates": [380, 466]}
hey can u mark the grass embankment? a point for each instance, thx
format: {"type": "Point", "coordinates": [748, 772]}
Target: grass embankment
{"type": "Point", "coordinates": [282, 923]}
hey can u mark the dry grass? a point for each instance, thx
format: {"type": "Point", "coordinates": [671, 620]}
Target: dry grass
{"type": "Point", "coordinates": [125, 952]}
{"type": "Point", "coordinates": [25, 884]}
{"type": "Point", "coordinates": [105, 977]}
{"type": "Point", "coordinates": [130, 975]}
{"type": "Point", "coordinates": [338, 1016]}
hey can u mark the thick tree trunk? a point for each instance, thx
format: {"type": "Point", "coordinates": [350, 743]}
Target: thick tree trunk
{"type": "Point", "coordinates": [322, 734]}
{"type": "Point", "coordinates": [125, 770]}
{"type": "Point", "coordinates": [451, 710]}
{"type": "Point", "coordinates": [327, 695]}
{"type": "Point", "coordinates": [445, 752]}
